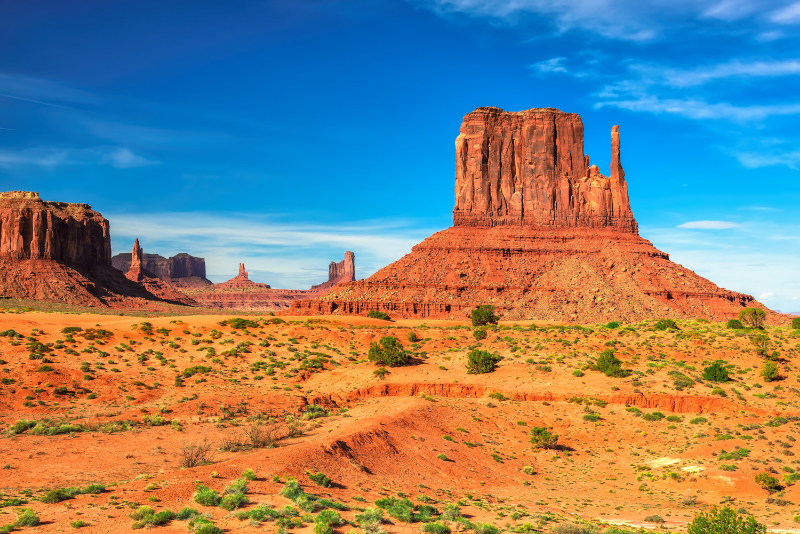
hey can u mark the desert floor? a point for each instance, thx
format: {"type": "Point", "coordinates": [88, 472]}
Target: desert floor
{"type": "Point", "coordinates": [120, 401]}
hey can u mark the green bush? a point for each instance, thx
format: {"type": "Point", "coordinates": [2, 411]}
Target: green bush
{"type": "Point", "coordinates": [375, 314]}
{"type": "Point", "coordinates": [481, 361]}
{"type": "Point", "coordinates": [485, 528]}
{"type": "Point", "coordinates": [206, 496]}
{"type": "Point", "coordinates": [608, 364]}
{"type": "Point", "coordinates": [734, 324]}
{"type": "Point", "coordinates": [753, 317]}
{"type": "Point", "coordinates": [233, 501]}
{"type": "Point", "coordinates": [543, 438]}
{"type": "Point", "coordinates": [388, 352]}
{"type": "Point", "coordinates": [761, 344]}
{"type": "Point", "coordinates": [320, 479]}
{"type": "Point", "coordinates": [412, 337]}
{"type": "Point", "coordinates": [483, 315]}
{"type": "Point", "coordinates": [479, 334]}
{"type": "Point", "coordinates": [725, 521]}
{"type": "Point", "coordinates": [770, 371]}
{"type": "Point", "coordinates": [666, 324]}
{"type": "Point", "coordinates": [249, 474]}
{"type": "Point", "coordinates": [61, 494]}
{"type": "Point", "coordinates": [613, 325]}
{"type": "Point", "coordinates": [326, 520]}
{"type": "Point", "coordinates": [768, 482]}
{"type": "Point", "coordinates": [436, 528]}
{"type": "Point", "coordinates": [716, 372]}
{"type": "Point", "coordinates": [796, 323]}
{"type": "Point", "coordinates": [237, 323]}
{"type": "Point", "coordinates": [402, 509]}
{"type": "Point", "coordinates": [370, 520]}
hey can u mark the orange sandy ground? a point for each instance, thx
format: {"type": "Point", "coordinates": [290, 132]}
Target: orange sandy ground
{"type": "Point", "coordinates": [383, 435]}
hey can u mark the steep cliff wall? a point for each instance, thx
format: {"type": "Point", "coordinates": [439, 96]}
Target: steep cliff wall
{"type": "Point", "coordinates": [529, 169]}
{"type": "Point", "coordinates": [343, 271]}
{"type": "Point", "coordinates": [179, 266]}
{"type": "Point", "coordinates": [32, 229]}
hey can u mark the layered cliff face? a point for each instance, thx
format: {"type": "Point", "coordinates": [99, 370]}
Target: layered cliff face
{"type": "Point", "coordinates": [61, 252]}
{"type": "Point", "coordinates": [343, 271]}
{"type": "Point", "coordinates": [540, 234]}
{"type": "Point", "coordinates": [32, 229]}
{"type": "Point", "coordinates": [529, 169]}
{"type": "Point", "coordinates": [152, 283]}
{"type": "Point", "coordinates": [181, 270]}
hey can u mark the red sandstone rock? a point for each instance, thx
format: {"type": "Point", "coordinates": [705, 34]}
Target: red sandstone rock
{"type": "Point", "coordinates": [529, 169]}
{"type": "Point", "coordinates": [61, 252]}
{"type": "Point", "coordinates": [240, 281]}
{"type": "Point", "coordinates": [181, 270]}
{"type": "Point", "coordinates": [153, 284]}
{"type": "Point", "coordinates": [344, 271]}
{"type": "Point", "coordinates": [538, 233]}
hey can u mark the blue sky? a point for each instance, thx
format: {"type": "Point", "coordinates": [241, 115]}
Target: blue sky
{"type": "Point", "coordinates": [282, 133]}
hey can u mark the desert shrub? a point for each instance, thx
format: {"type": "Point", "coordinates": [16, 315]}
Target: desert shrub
{"type": "Point", "coordinates": [654, 416]}
{"type": "Point", "coordinates": [320, 479]}
{"type": "Point", "coordinates": [249, 474]}
{"type": "Point", "coordinates": [291, 490]}
{"type": "Point", "coordinates": [479, 334]}
{"type": "Point", "coordinates": [60, 494]}
{"type": "Point", "coordinates": [233, 501]}
{"type": "Point", "coordinates": [543, 438]}
{"type": "Point", "coordinates": [197, 369]}
{"type": "Point", "coordinates": [665, 324]}
{"type": "Point", "coordinates": [572, 528]}
{"type": "Point", "coordinates": [402, 509]}
{"type": "Point", "coordinates": [206, 496]}
{"type": "Point", "coordinates": [79, 524]}
{"type": "Point", "coordinates": [370, 520]}
{"type": "Point", "coordinates": [761, 344]}
{"type": "Point", "coordinates": [725, 521]}
{"type": "Point", "coordinates": [412, 337]}
{"type": "Point", "coordinates": [26, 518]}
{"type": "Point", "coordinates": [388, 352]}
{"type": "Point", "coordinates": [195, 454]}
{"type": "Point", "coordinates": [770, 371]}
{"type": "Point", "coordinates": [326, 520]}
{"type": "Point", "coordinates": [481, 361]}
{"type": "Point", "coordinates": [734, 324]}
{"type": "Point", "coordinates": [237, 323]}
{"type": "Point", "coordinates": [768, 482]}
{"type": "Point", "coordinates": [436, 528]}
{"type": "Point", "coordinates": [608, 364]}
{"type": "Point", "coordinates": [485, 528]}
{"type": "Point", "coordinates": [613, 325]}
{"type": "Point", "coordinates": [796, 323]}
{"type": "Point", "coordinates": [752, 317]}
{"type": "Point", "coordinates": [716, 372]}
{"type": "Point", "coordinates": [483, 315]}
{"type": "Point", "coordinates": [451, 512]}
{"type": "Point", "coordinates": [375, 314]}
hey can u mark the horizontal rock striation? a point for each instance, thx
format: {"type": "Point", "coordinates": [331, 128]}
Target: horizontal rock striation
{"type": "Point", "coordinates": [343, 271]}
{"type": "Point", "coordinates": [537, 232]}
{"type": "Point", "coordinates": [529, 169]}
{"type": "Point", "coordinates": [181, 270]}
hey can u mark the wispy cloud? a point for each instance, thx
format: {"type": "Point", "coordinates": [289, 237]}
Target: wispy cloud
{"type": "Point", "coordinates": [691, 108]}
{"type": "Point", "coordinates": [556, 65]}
{"type": "Point", "coordinates": [49, 157]}
{"type": "Point", "coordinates": [45, 92]}
{"type": "Point", "coordinates": [787, 15]}
{"type": "Point", "coordinates": [753, 160]}
{"type": "Point", "coordinates": [709, 225]}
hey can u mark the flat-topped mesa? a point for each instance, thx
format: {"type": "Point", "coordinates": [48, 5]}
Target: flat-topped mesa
{"type": "Point", "coordinates": [33, 229]}
{"type": "Point", "coordinates": [528, 168]}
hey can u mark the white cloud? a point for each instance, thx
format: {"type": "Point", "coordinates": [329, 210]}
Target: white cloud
{"type": "Point", "coordinates": [49, 157]}
{"type": "Point", "coordinates": [691, 108]}
{"type": "Point", "coordinates": [730, 10]}
{"type": "Point", "coordinates": [753, 160]}
{"type": "Point", "coordinates": [550, 66]}
{"type": "Point", "coordinates": [660, 74]}
{"type": "Point", "coordinates": [766, 296]}
{"type": "Point", "coordinates": [787, 15]}
{"type": "Point", "coordinates": [709, 225]}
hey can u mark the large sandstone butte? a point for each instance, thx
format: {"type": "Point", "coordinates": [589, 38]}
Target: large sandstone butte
{"type": "Point", "coordinates": [537, 232]}
{"type": "Point", "coordinates": [181, 270]}
{"type": "Point", "coordinates": [60, 252]}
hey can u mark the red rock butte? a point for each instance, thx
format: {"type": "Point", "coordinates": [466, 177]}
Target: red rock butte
{"type": "Point", "coordinates": [539, 233]}
{"type": "Point", "coordinates": [61, 252]}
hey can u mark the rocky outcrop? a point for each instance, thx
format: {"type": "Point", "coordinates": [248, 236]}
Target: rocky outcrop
{"type": "Point", "coordinates": [240, 281]}
{"type": "Point", "coordinates": [529, 169]}
{"type": "Point", "coordinates": [61, 252]}
{"type": "Point", "coordinates": [153, 284]}
{"type": "Point", "coordinates": [32, 229]}
{"type": "Point", "coordinates": [343, 271]}
{"type": "Point", "coordinates": [537, 232]}
{"type": "Point", "coordinates": [181, 270]}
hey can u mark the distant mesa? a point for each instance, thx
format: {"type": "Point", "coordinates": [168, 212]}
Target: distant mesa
{"type": "Point", "coordinates": [241, 293]}
{"type": "Point", "coordinates": [155, 285]}
{"type": "Point", "coordinates": [181, 270]}
{"type": "Point", "coordinates": [539, 233]}
{"type": "Point", "coordinates": [61, 252]}
{"type": "Point", "coordinates": [241, 281]}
